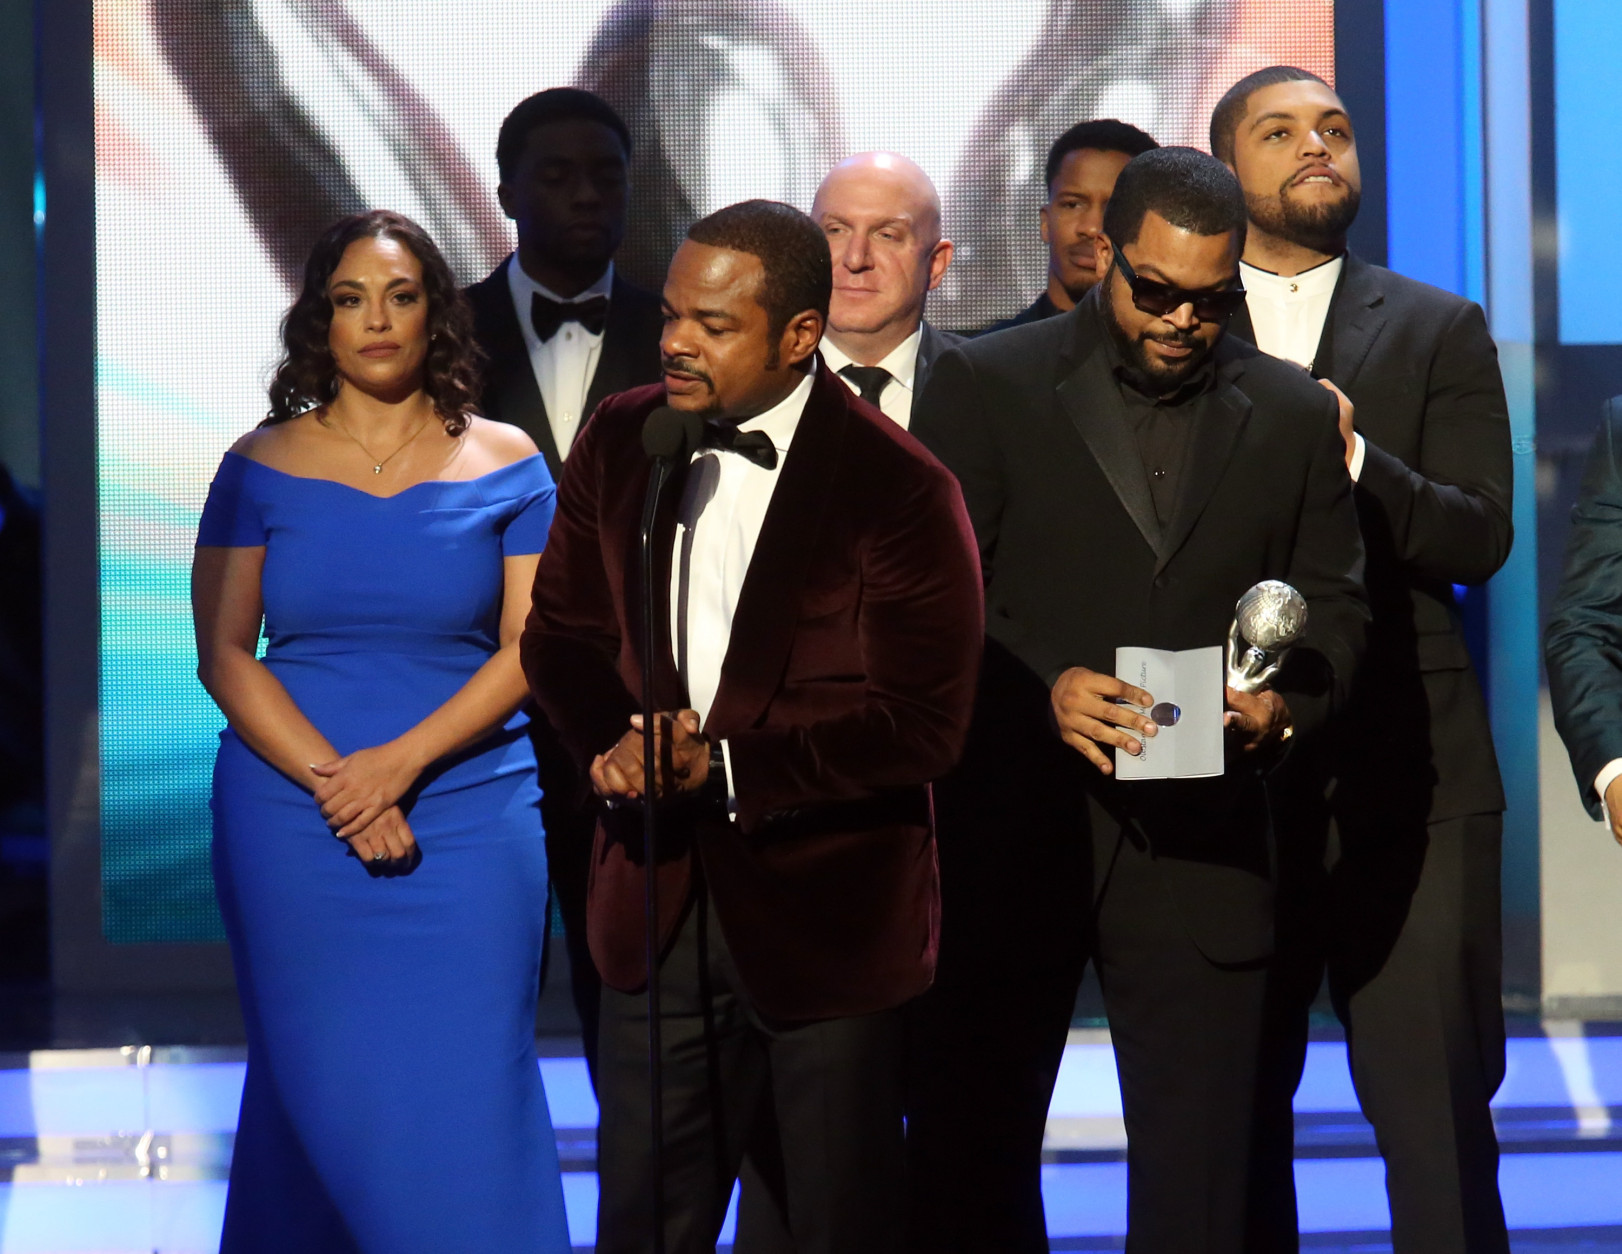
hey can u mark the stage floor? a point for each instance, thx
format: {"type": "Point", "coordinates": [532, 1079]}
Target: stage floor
{"type": "Point", "coordinates": [126, 1150]}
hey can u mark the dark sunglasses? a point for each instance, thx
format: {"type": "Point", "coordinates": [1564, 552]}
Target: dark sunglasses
{"type": "Point", "coordinates": [1160, 299]}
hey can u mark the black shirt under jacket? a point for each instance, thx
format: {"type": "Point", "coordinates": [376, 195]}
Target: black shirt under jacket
{"type": "Point", "coordinates": [1160, 424]}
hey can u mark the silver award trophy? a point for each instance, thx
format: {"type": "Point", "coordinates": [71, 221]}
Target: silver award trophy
{"type": "Point", "coordinates": [1266, 622]}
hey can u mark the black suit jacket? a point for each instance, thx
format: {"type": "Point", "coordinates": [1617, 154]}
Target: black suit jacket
{"type": "Point", "coordinates": [1075, 566]}
{"type": "Point", "coordinates": [1434, 503]}
{"type": "Point", "coordinates": [629, 356]}
{"type": "Point", "coordinates": [845, 691]}
{"type": "Point", "coordinates": [1583, 646]}
{"type": "Point", "coordinates": [1038, 310]}
{"type": "Point", "coordinates": [931, 344]}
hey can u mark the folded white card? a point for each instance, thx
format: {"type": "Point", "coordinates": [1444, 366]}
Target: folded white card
{"type": "Point", "coordinates": [1188, 705]}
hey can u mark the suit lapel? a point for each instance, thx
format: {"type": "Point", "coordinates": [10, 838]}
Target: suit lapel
{"type": "Point", "coordinates": [626, 357]}
{"type": "Point", "coordinates": [769, 602]}
{"type": "Point", "coordinates": [510, 376]}
{"type": "Point", "coordinates": [1211, 445]}
{"type": "Point", "coordinates": [1082, 395]}
{"type": "Point", "coordinates": [930, 346]}
{"type": "Point", "coordinates": [1241, 326]}
{"type": "Point", "coordinates": [1356, 318]}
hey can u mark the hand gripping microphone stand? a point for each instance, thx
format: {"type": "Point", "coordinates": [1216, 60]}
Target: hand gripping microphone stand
{"type": "Point", "coordinates": [668, 436]}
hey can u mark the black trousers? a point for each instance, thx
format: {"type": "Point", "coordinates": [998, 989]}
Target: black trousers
{"type": "Point", "coordinates": [984, 1047]}
{"type": "Point", "coordinates": [1406, 922]}
{"type": "Point", "coordinates": [818, 1104]}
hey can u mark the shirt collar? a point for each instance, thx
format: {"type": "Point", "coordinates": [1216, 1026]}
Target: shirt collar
{"type": "Point", "coordinates": [1317, 282]}
{"type": "Point", "coordinates": [523, 287]}
{"type": "Point", "coordinates": [901, 362]}
{"type": "Point", "coordinates": [780, 421]}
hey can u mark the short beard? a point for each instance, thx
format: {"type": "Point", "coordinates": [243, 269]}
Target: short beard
{"type": "Point", "coordinates": [1322, 228]}
{"type": "Point", "coordinates": [1161, 377]}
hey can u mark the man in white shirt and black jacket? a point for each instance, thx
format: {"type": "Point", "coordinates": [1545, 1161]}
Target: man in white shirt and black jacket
{"type": "Point", "coordinates": [882, 217]}
{"type": "Point", "coordinates": [561, 331]}
{"type": "Point", "coordinates": [1393, 882]}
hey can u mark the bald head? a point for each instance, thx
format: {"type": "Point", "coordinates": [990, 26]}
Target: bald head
{"type": "Point", "coordinates": [898, 183]}
{"type": "Point", "coordinates": [882, 217]}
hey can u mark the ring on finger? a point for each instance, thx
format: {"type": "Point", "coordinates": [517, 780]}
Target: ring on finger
{"type": "Point", "coordinates": [377, 855]}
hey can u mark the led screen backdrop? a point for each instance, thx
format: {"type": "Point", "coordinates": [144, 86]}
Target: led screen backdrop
{"type": "Point", "coordinates": [229, 132]}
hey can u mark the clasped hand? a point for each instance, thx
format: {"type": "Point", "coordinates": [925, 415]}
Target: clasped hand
{"type": "Point", "coordinates": [681, 752]}
{"type": "Point", "coordinates": [1092, 710]}
{"type": "Point", "coordinates": [358, 787]}
{"type": "Point", "coordinates": [386, 846]}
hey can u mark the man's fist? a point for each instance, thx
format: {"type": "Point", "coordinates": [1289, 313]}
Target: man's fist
{"type": "Point", "coordinates": [681, 753]}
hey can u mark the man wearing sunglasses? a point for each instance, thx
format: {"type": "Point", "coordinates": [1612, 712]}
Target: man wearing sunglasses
{"type": "Point", "coordinates": [1130, 472]}
{"type": "Point", "coordinates": [1404, 913]}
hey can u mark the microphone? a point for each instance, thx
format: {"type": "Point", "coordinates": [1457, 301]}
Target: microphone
{"type": "Point", "coordinates": [670, 434]}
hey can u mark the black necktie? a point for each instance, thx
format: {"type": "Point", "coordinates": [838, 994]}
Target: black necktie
{"type": "Point", "coordinates": [869, 381]}
{"type": "Point", "coordinates": [549, 315]}
{"type": "Point", "coordinates": [757, 446]}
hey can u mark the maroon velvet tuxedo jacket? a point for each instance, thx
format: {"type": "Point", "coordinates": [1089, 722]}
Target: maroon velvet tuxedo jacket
{"type": "Point", "coordinates": [846, 689]}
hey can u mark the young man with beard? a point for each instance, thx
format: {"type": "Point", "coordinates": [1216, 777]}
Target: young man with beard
{"type": "Point", "coordinates": [1082, 167]}
{"type": "Point", "coordinates": [816, 662]}
{"type": "Point", "coordinates": [1130, 473]}
{"type": "Point", "coordinates": [1392, 883]}
{"type": "Point", "coordinates": [561, 331]}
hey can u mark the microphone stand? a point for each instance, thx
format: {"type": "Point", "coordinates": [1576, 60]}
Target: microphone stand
{"type": "Point", "coordinates": [666, 438]}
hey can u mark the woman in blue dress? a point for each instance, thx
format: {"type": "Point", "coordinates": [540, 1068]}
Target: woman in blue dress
{"type": "Point", "coordinates": [377, 837]}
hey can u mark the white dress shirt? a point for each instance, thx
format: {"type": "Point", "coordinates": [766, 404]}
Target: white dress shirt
{"type": "Point", "coordinates": [565, 364]}
{"type": "Point", "coordinates": [723, 505]}
{"type": "Point", "coordinates": [902, 363]}
{"type": "Point", "coordinates": [1288, 313]}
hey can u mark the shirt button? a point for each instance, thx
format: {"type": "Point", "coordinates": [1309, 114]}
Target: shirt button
{"type": "Point", "coordinates": [1159, 474]}
{"type": "Point", "coordinates": [568, 417]}
{"type": "Point", "coordinates": [1295, 287]}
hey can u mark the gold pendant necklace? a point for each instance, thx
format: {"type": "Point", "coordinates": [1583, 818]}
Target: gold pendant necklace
{"type": "Point", "coordinates": [378, 465]}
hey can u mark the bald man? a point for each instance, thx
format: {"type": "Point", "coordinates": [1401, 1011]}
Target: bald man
{"type": "Point", "coordinates": [882, 217]}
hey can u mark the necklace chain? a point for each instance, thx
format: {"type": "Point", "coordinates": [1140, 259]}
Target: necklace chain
{"type": "Point", "coordinates": [377, 464]}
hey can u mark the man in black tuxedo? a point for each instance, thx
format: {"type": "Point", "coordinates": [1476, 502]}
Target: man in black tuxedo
{"type": "Point", "coordinates": [1082, 167]}
{"type": "Point", "coordinates": [1393, 882]}
{"type": "Point", "coordinates": [882, 217]}
{"type": "Point", "coordinates": [1584, 638]}
{"type": "Point", "coordinates": [1130, 473]}
{"type": "Point", "coordinates": [562, 331]}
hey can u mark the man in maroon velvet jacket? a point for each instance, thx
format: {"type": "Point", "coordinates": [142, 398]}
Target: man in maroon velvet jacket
{"type": "Point", "coordinates": [817, 666]}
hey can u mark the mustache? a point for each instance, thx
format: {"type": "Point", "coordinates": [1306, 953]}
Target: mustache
{"type": "Point", "coordinates": [1177, 339]}
{"type": "Point", "coordinates": [684, 365]}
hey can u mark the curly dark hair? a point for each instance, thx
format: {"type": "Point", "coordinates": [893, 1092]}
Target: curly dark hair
{"type": "Point", "coordinates": [307, 376]}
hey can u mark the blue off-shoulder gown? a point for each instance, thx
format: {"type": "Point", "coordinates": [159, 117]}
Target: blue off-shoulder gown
{"type": "Point", "coordinates": [393, 1102]}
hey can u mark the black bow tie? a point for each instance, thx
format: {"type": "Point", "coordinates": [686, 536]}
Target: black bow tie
{"type": "Point", "coordinates": [757, 446]}
{"type": "Point", "coordinates": [870, 381]}
{"type": "Point", "coordinates": [549, 315]}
